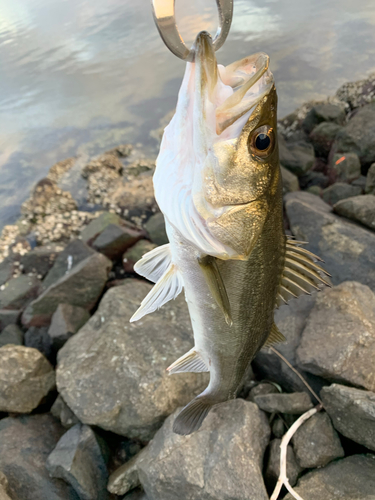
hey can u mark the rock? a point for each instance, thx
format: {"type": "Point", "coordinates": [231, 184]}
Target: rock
{"type": "Point", "coordinates": [107, 161]}
{"type": "Point", "coordinates": [57, 171]}
{"type": "Point", "coordinates": [135, 253]}
{"type": "Point", "coordinates": [126, 477]}
{"type": "Point", "coordinates": [81, 287]}
{"type": "Point", "coordinates": [74, 253]}
{"type": "Point", "coordinates": [78, 460]}
{"type": "Point", "coordinates": [115, 239]}
{"type": "Point", "coordinates": [298, 157]}
{"type": "Point", "coordinates": [272, 472]}
{"type": "Point", "coordinates": [137, 494]}
{"type": "Point", "coordinates": [97, 226]}
{"type": "Point", "coordinates": [343, 321]}
{"type": "Point", "coordinates": [38, 338]}
{"type": "Point", "coordinates": [352, 478]}
{"type": "Point", "coordinates": [370, 180]}
{"type": "Point", "coordinates": [7, 268]}
{"type": "Point", "coordinates": [323, 136]}
{"type": "Point", "coordinates": [325, 112]}
{"type": "Point", "coordinates": [221, 461]}
{"type": "Point", "coordinates": [360, 182]}
{"type": "Point", "coordinates": [40, 260]}
{"type": "Point", "coordinates": [19, 291]}
{"type": "Point", "coordinates": [358, 208]}
{"type": "Point", "coordinates": [123, 150]}
{"type": "Point", "coordinates": [11, 334]}
{"type": "Point", "coordinates": [26, 377]}
{"type": "Point", "coordinates": [315, 190]}
{"type": "Point", "coordinates": [352, 412]}
{"type": "Point", "coordinates": [25, 444]}
{"type": "Point", "coordinates": [155, 227]}
{"type": "Point", "coordinates": [340, 191]}
{"type": "Point", "coordinates": [357, 94]}
{"type": "Point", "coordinates": [358, 136]}
{"type": "Point", "coordinates": [112, 373]}
{"type": "Point", "coordinates": [346, 248]}
{"type": "Point", "coordinates": [345, 167]}
{"type": "Point", "coordinates": [295, 403]}
{"type": "Point", "coordinates": [62, 412]}
{"type": "Point", "coordinates": [314, 179]}
{"type": "Point", "coordinates": [316, 442]}
{"type": "Point", "coordinates": [4, 487]}
{"type": "Point", "coordinates": [66, 321]}
{"type": "Point", "coordinates": [8, 317]}
{"type": "Point", "coordinates": [290, 181]}
{"type": "Point", "coordinates": [262, 389]}
{"type": "Point", "coordinates": [278, 427]}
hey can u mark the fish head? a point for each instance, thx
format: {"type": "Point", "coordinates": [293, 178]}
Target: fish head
{"type": "Point", "coordinates": [218, 173]}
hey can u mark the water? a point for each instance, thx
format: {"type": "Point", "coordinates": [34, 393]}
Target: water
{"type": "Point", "coordinates": [80, 76]}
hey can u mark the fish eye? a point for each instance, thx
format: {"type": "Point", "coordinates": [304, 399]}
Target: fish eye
{"type": "Point", "coordinates": [261, 141]}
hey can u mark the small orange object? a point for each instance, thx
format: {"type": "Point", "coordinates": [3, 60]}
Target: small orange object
{"type": "Point", "coordinates": [340, 160]}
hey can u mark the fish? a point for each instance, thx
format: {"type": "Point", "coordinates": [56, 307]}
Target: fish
{"type": "Point", "coordinates": [218, 183]}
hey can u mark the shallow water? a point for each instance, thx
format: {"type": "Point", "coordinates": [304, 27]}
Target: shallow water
{"type": "Point", "coordinates": [81, 76]}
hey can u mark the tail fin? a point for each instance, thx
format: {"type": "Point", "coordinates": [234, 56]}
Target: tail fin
{"type": "Point", "coordinates": [191, 417]}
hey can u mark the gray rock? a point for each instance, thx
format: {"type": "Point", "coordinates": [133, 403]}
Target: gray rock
{"type": "Point", "coordinates": [346, 248]}
{"type": "Point", "coordinates": [155, 227]}
{"type": "Point", "coordinates": [66, 321]}
{"type": "Point", "coordinates": [221, 461]}
{"type": "Point", "coordinates": [278, 427]}
{"type": "Point", "coordinates": [26, 377]}
{"type": "Point", "coordinates": [40, 260]}
{"type": "Point", "coordinates": [343, 321]}
{"type": "Point", "coordinates": [272, 472]}
{"type": "Point", "coordinates": [4, 487]}
{"type": "Point", "coordinates": [38, 338]}
{"type": "Point", "coordinates": [8, 317]}
{"type": "Point", "coordinates": [112, 373]}
{"type": "Point", "coordinates": [352, 478]}
{"type": "Point", "coordinates": [262, 389]}
{"type": "Point", "coordinates": [25, 444]}
{"type": "Point", "coordinates": [98, 225]}
{"type": "Point", "coordinates": [298, 157]}
{"type": "Point", "coordinates": [325, 112]}
{"type": "Point", "coordinates": [62, 412]}
{"type": "Point", "coordinates": [126, 477]}
{"type": "Point", "coordinates": [11, 334]}
{"type": "Point", "coordinates": [323, 136]}
{"type": "Point", "coordinates": [360, 182]}
{"type": "Point", "coordinates": [19, 291]}
{"type": "Point", "coordinates": [314, 179]}
{"type": "Point", "coordinates": [340, 191]}
{"type": "Point", "coordinates": [137, 494]}
{"type": "Point", "coordinates": [78, 460]}
{"type": "Point", "coordinates": [370, 180]}
{"type": "Point", "coordinates": [135, 253]}
{"type": "Point", "coordinates": [290, 181]}
{"type": "Point", "coordinates": [358, 208]}
{"type": "Point", "coordinates": [295, 403]}
{"type": "Point", "coordinates": [7, 267]}
{"type": "Point", "coordinates": [352, 412]}
{"type": "Point", "coordinates": [81, 286]}
{"type": "Point", "coordinates": [315, 190]}
{"type": "Point", "coordinates": [316, 442]}
{"type": "Point", "coordinates": [115, 239]}
{"type": "Point", "coordinates": [345, 167]}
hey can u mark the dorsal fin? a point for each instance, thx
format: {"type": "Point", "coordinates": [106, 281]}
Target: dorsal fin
{"type": "Point", "coordinates": [154, 264]}
{"type": "Point", "coordinates": [216, 285]}
{"type": "Point", "coordinates": [275, 337]}
{"type": "Point", "coordinates": [190, 362]}
{"type": "Point", "coordinates": [166, 289]}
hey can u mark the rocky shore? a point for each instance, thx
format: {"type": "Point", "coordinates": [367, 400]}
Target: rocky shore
{"type": "Point", "coordinates": [86, 406]}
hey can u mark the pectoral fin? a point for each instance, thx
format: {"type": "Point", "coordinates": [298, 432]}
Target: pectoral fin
{"type": "Point", "coordinates": [216, 285]}
{"type": "Point", "coordinates": [190, 362]}
{"type": "Point", "coordinates": [275, 337]}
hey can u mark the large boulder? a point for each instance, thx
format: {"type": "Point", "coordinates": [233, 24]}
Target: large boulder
{"type": "Point", "coordinates": [12, 334]}
{"type": "Point", "coordinates": [17, 292]}
{"type": "Point", "coordinates": [343, 321]}
{"type": "Point", "coordinates": [322, 137]}
{"type": "Point", "coordinates": [347, 249]}
{"type": "Point", "coordinates": [340, 191]}
{"type": "Point", "coordinates": [112, 373]}
{"type": "Point", "coordinates": [324, 112]}
{"type": "Point", "coordinates": [40, 259]}
{"type": "Point", "coordinates": [358, 208]}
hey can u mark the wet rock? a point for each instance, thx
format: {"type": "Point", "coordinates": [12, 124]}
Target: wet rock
{"type": "Point", "coordinates": [325, 112]}
{"type": "Point", "coordinates": [351, 478]}
{"type": "Point", "coordinates": [357, 94]}
{"type": "Point", "coordinates": [25, 444]}
{"type": "Point", "coordinates": [343, 321]}
{"type": "Point", "coordinates": [295, 403]}
{"type": "Point", "coordinates": [19, 291]}
{"type": "Point", "coordinates": [135, 253]}
{"type": "Point", "coordinates": [358, 208]}
{"type": "Point", "coordinates": [115, 239]}
{"type": "Point", "coordinates": [221, 461]}
{"type": "Point", "coordinates": [40, 260]}
{"type": "Point", "coordinates": [370, 180]}
{"type": "Point", "coordinates": [346, 248]}
{"type": "Point", "coordinates": [97, 226]}
{"type": "Point", "coordinates": [78, 460]}
{"type": "Point", "coordinates": [112, 373]}
{"type": "Point", "coordinates": [60, 168]}
{"type": "Point", "coordinates": [25, 378]}
{"type": "Point", "coordinates": [345, 167]}
{"type": "Point", "coordinates": [75, 252]}
{"type": "Point", "coordinates": [323, 136]}
{"type": "Point", "coordinates": [11, 334]}
{"type": "Point", "coordinates": [138, 167]}
{"type": "Point", "coordinates": [62, 412]}
{"type": "Point", "coordinates": [126, 477]}
{"type": "Point", "coordinates": [8, 317]}
{"type": "Point", "coordinates": [155, 227]}
{"type": "Point", "coordinates": [262, 389]}
{"type": "Point", "coordinates": [272, 472]}
{"type": "Point", "coordinates": [38, 338]}
{"type": "Point", "coordinates": [316, 443]}
{"type": "Point", "coordinates": [290, 181]}
{"type": "Point", "coordinates": [81, 286]}
{"type": "Point", "coordinates": [107, 161]}
{"type": "Point", "coordinates": [66, 321]}
{"type": "Point", "coordinates": [340, 191]}
{"type": "Point", "coordinates": [298, 157]}
{"type": "Point", "coordinates": [352, 412]}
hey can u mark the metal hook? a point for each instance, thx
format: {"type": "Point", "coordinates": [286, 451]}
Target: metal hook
{"type": "Point", "coordinates": [163, 11]}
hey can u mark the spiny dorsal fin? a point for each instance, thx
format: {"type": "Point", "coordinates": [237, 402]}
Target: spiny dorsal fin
{"type": "Point", "coordinates": [190, 362]}
{"type": "Point", "coordinates": [216, 285]}
{"type": "Point", "coordinates": [275, 337]}
{"type": "Point", "coordinates": [154, 264]}
{"type": "Point", "coordinates": [166, 289]}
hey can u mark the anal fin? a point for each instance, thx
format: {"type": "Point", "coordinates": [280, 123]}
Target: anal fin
{"type": "Point", "coordinates": [190, 362]}
{"type": "Point", "coordinates": [275, 337]}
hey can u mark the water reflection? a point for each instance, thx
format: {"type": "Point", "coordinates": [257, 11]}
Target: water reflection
{"type": "Point", "coordinates": [84, 75]}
